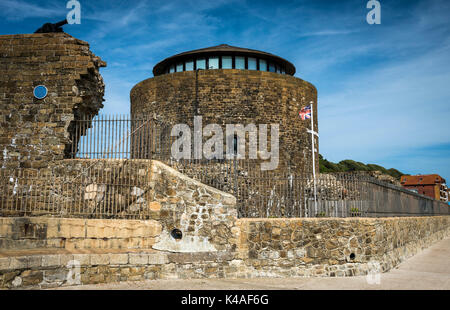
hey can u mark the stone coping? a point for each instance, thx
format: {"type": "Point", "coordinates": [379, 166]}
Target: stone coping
{"type": "Point", "coordinates": [62, 251]}
{"type": "Point", "coordinates": [84, 259]}
{"type": "Point", "coordinates": [347, 219]}
{"type": "Point", "coordinates": [20, 260]}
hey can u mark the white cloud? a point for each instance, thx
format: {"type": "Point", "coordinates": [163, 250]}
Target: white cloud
{"type": "Point", "coordinates": [17, 10]}
{"type": "Point", "coordinates": [384, 112]}
{"type": "Point", "coordinates": [326, 33]}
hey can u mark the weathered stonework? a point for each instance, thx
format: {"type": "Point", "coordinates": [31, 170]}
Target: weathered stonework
{"type": "Point", "coordinates": [204, 214]}
{"type": "Point", "coordinates": [265, 248]}
{"type": "Point", "coordinates": [21, 233]}
{"type": "Point", "coordinates": [169, 199]}
{"type": "Point", "coordinates": [171, 226]}
{"type": "Point", "coordinates": [229, 96]}
{"type": "Point", "coordinates": [333, 246]}
{"type": "Point", "coordinates": [34, 132]}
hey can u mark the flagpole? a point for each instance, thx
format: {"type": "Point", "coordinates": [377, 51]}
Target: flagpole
{"type": "Point", "coordinates": [313, 156]}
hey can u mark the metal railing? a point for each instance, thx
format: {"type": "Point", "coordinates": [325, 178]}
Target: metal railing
{"type": "Point", "coordinates": [112, 189]}
{"type": "Point", "coordinates": [281, 193]}
{"type": "Point", "coordinates": [114, 180]}
{"type": "Point", "coordinates": [121, 189]}
{"type": "Point", "coordinates": [118, 137]}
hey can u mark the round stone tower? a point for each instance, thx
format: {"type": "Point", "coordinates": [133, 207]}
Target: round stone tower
{"type": "Point", "coordinates": [232, 85]}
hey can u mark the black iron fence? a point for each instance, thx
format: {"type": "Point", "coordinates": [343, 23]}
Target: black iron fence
{"type": "Point", "coordinates": [108, 189]}
{"type": "Point", "coordinates": [113, 182]}
{"type": "Point", "coordinates": [284, 193]}
{"type": "Point", "coordinates": [119, 137]}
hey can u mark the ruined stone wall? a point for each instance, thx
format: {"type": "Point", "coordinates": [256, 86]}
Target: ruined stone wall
{"type": "Point", "coordinates": [229, 96]}
{"type": "Point", "coordinates": [34, 132]}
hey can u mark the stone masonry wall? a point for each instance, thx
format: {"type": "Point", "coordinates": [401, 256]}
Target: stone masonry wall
{"type": "Point", "coordinates": [229, 96]}
{"type": "Point", "coordinates": [333, 246]}
{"type": "Point", "coordinates": [31, 233]}
{"type": "Point", "coordinates": [124, 189]}
{"type": "Point", "coordinates": [34, 132]}
{"type": "Point", "coordinates": [265, 248]}
{"type": "Point", "coordinates": [205, 215]}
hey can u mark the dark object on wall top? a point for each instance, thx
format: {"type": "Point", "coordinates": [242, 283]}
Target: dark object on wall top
{"type": "Point", "coordinates": [49, 27]}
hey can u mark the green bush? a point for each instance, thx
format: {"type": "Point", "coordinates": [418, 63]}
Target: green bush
{"type": "Point", "coordinates": [348, 165]}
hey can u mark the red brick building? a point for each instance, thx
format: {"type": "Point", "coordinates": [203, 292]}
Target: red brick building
{"type": "Point", "coordinates": [432, 185]}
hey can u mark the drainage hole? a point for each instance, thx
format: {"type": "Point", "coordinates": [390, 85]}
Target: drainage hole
{"type": "Point", "coordinates": [176, 234]}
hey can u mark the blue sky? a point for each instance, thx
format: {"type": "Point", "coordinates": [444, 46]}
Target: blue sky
{"type": "Point", "coordinates": [383, 90]}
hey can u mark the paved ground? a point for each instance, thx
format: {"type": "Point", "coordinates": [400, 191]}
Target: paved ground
{"type": "Point", "coordinates": [428, 270]}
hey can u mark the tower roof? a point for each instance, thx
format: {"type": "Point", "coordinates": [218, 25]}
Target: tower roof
{"type": "Point", "coordinates": [222, 49]}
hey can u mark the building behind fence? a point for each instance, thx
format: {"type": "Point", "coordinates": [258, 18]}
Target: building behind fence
{"type": "Point", "coordinates": [106, 175]}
